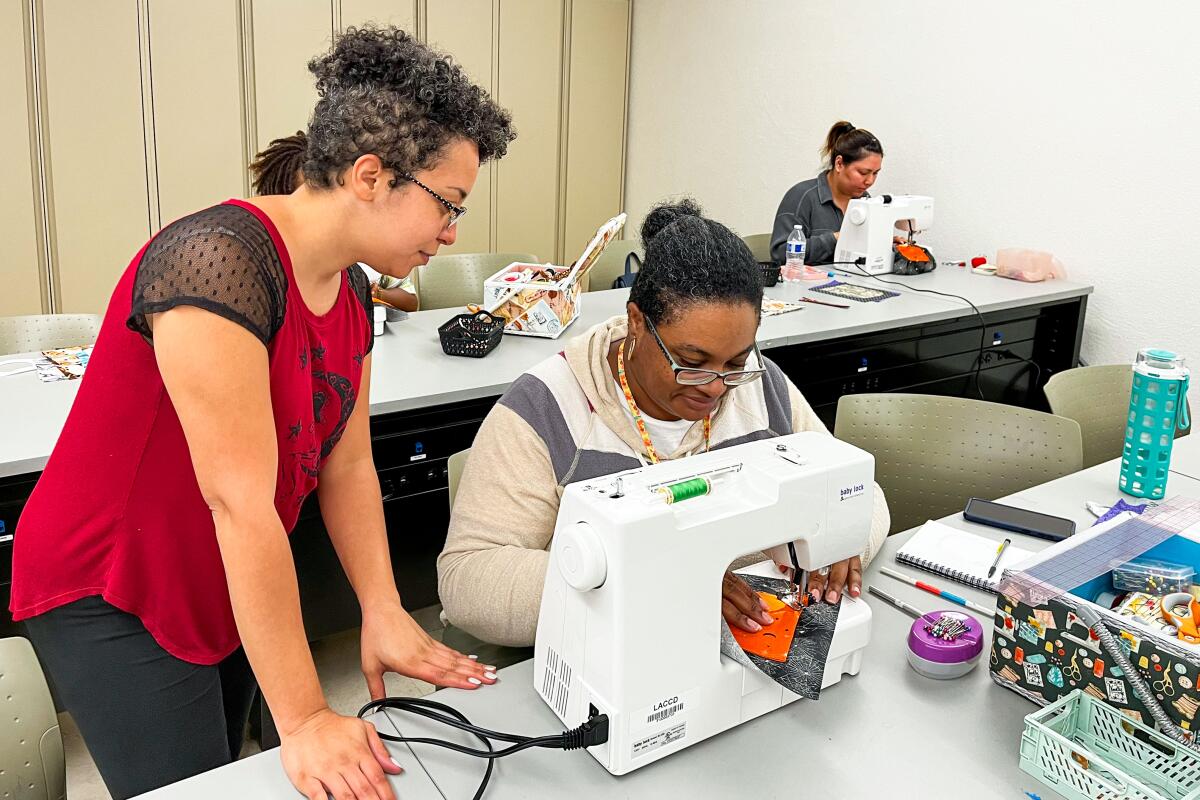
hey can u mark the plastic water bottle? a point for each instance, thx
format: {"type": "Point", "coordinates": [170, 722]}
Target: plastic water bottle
{"type": "Point", "coordinates": [793, 268]}
{"type": "Point", "coordinates": [1157, 406]}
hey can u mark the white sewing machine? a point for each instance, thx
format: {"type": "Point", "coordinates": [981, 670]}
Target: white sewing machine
{"type": "Point", "coordinates": [871, 222]}
{"type": "Point", "coordinates": [630, 622]}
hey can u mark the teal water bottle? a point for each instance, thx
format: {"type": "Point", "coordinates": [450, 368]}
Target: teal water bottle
{"type": "Point", "coordinates": [1157, 406]}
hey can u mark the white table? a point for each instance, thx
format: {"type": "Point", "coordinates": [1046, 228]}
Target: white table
{"type": "Point", "coordinates": [1185, 453]}
{"type": "Point", "coordinates": [879, 734]}
{"type": "Point", "coordinates": [411, 372]}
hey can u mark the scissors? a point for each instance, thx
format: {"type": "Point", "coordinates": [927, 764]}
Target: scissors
{"type": "Point", "coordinates": [1183, 611]}
{"type": "Point", "coordinates": [1165, 684]}
{"type": "Point", "coordinates": [1073, 672]}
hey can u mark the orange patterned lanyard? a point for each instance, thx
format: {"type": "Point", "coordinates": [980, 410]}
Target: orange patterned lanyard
{"type": "Point", "coordinates": [637, 415]}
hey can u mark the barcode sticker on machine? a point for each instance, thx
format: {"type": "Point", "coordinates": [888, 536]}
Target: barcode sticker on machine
{"type": "Point", "coordinates": [651, 743]}
{"type": "Point", "coordinates": [667, 710]}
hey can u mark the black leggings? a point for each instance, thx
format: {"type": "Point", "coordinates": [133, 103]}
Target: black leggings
{"type": "Point", "coordinates": [147, 717]}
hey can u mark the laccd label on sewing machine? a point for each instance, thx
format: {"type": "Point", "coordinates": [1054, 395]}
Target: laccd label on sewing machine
{"type": "Point", "coordinates": [668, 710]}
{"type": "Point", "coordinates": [850, 492]}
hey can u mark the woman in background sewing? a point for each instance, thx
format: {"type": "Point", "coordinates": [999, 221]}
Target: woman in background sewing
{"type": "Point", "coordinates": [678, 374]}
{"type": "Point", "coordinates": [279, 169]}
{"type": "Point", "coordinates": [854, 157]}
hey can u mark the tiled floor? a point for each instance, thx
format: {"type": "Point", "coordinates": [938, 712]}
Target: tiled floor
{"type": "Point", "coordinates": [337, 661]}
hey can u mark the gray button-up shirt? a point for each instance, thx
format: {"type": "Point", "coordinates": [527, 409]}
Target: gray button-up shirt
{"type": "Point", "coordinates": [810, 205]}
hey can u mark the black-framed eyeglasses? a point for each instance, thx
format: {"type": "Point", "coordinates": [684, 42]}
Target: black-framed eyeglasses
{"type": "Point", "coordinates": [456, 212]}
{"type": "Point", "coordinates": [689, 376]}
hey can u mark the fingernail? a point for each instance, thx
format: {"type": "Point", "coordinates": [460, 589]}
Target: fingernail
{"type": "Point", "coordinates": [855, 591]}
{"type": "Point", "coordinates": [397, 763]}
{"type": "Point", "coordinates": [754, 626]}
{"type": "Point", "coordinates": [831, 596]}
{"type": "Point", "coordinates": [762, 604]}
{"type": "Point", "coordinates": [491, 676]}
{"type": "Point", "coordinates": [474, 657]}
{"type": "Point", "coordinates": [475, 681]}
{"type": "Point", "coordinates": [489, 668]}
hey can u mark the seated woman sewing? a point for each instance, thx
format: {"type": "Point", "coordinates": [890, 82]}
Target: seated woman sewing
{"type": "Point", "coordinates": [678, 374]}
{"type": "Point", "coordinates": [854, 157]}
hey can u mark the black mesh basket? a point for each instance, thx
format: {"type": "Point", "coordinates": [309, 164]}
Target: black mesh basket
{"type": "Point", "coordinates": [770, 273]}
{"type": "Point", "coordinates": [471, 335]}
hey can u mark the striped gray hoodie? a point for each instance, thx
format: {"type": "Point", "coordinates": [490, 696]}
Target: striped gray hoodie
{"type": "Point", "coordinates": [560, 422]}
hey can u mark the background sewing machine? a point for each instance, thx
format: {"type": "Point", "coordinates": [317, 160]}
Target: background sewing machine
{"type": "Point", "coordinates": [630, 619]}
{"type": "Point", "coordinates": [871, 222]}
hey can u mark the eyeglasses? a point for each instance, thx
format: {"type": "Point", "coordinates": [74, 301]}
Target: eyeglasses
{"type": "Point", "coordinates": [689, 376]}
{"type": "Point", "coordinates": [456, 212]}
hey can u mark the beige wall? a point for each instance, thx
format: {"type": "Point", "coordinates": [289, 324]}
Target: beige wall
{"type": "Point", "coordinates": [1064, 126]}
{"type": "Point", "coordinates": [173, 99]}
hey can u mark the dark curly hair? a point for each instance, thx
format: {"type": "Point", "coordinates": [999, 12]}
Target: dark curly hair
{"type": "Point", "coordinates": [692, 259]}
{"type": "Point", "coordinates": [381, 91]}
{"type": "Point", "coordinates": [275, 169]}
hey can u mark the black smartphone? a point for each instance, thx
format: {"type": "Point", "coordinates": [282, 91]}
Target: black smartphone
{"type": "Point", "coordinates": [1010, 518]}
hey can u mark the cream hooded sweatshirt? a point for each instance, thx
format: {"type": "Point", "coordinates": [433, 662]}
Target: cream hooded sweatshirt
{"type": "Point", "coordinates": [565, 421]}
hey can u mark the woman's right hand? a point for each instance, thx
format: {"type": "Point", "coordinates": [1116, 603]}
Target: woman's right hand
{"type": "Point", "coordinates": [343, 757]}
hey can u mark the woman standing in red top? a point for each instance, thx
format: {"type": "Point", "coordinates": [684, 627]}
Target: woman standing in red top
{"type": "Point", "coordinates": [229, 380]}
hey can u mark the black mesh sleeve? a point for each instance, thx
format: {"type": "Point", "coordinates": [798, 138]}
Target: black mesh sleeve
{"type": "Point", "coordinates": [220, 259]}
{"type": "Point", "coordinates": [362, 288]}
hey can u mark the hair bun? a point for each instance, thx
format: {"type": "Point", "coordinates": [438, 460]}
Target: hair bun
{"type": "Point", "coordinates": [371, 56]}
{"type": "Point", "coordinates": [665, 214]}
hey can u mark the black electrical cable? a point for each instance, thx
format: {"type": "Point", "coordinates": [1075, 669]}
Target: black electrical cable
{"type": "Point", "coordinates": [592, 732]}
{"type": "Point", "coordinates": [982, 322]}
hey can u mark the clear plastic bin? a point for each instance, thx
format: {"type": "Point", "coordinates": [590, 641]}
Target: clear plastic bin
{"type": "Point", "coordinates": [1152, 577]}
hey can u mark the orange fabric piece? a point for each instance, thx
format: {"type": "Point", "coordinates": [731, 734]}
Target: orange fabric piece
{"type": "Point", "coordinates": [775, 640]}
{"type": "Point", "coordinates": [912, 252]}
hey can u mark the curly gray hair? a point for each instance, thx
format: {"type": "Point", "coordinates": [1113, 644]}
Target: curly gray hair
{"type": "Point", "coordinates": [381, 91]}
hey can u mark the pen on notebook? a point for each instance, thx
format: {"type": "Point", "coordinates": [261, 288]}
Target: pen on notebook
{"type": "Point", "coordinates": [942, 593]}
{"type": "Point", "coordinates": [999, 552]}
{"type": "Point", "coordinates": [900, 604]}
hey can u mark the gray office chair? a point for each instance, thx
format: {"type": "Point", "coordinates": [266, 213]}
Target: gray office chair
{"type": "Point", "coordinates": [760, 245]}
{"type": "Point", "coordinates": [611, 263]}
{"type": "Point", "coordinates": [453, 281]}
{"type": "Point", "coordinates": [932, 453]}
{"type": "Point", "coordinates": [27, 334]}
{"type": "Point", "coordinates": [31, 750]}
{"type": "Point", "coordinates": [454, 468]}
{"type": "Point", "coordinates": [1098, 399]}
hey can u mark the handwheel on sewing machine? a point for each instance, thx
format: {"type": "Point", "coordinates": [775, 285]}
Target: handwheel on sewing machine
{"type": "Point", "coordinates": [1183, 611]}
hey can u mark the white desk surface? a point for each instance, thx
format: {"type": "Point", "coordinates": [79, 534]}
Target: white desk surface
{"type": "Point", "coordinates": [410, 370]}
{"type": "Point", "coordinates": [1185, 453]}
{"type": "Point", "coordinates": [881, 733]}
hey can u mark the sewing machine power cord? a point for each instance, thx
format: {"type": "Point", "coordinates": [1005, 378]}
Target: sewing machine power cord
{"type": "Point", "coordinates": [982, 323]}
{"type": "Point", "coordinates": [592, 732]}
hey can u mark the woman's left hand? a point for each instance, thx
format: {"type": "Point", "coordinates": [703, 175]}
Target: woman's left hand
{"type": "Point", "coordinates": [844, 577]}
{"type": "Point", "coordinates": [392, 641]}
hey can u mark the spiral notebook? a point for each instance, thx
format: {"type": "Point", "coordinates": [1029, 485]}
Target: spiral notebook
{"type": "Point", "coordinates": [959, 555]}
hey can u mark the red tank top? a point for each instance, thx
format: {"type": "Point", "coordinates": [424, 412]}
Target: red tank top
{"type": "Point", "coordinates": [117, 511]}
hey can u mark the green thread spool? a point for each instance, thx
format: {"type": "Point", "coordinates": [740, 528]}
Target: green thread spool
{"type": "Point", "coordinates": [685, 490]}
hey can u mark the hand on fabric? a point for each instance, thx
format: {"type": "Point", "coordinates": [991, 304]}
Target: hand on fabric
{"type": "Point", "coordinates": [329, 754]}
{"type": "Point", "coordinates": [741, 606]}
{"type": "Point", "coordinates": [392, 641]}
{"type": "Point", "coordinates": [844, 577]}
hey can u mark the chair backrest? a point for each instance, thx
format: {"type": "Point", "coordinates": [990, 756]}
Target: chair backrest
{"type": "Point", "coordinates": [1096, 397]}
{"type": "Point", "coordinates": [611, 263]}
{"type": "Point", "coordinates": [454, 468]}
{"type": "Point", "coordinates": [453, 281]}
{"type": "Point", "coordinates": [932, 453]}
{"type": "Point", "coordinates": [26, 334]}
{"type": "Point", "coordinates": [31, 749]}
{"type": "Point", "coordinates": [760, 245]}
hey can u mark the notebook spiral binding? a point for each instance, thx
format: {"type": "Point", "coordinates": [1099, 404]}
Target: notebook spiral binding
{"type": "Point", "coordinates": [953, 574]}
